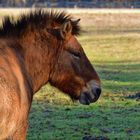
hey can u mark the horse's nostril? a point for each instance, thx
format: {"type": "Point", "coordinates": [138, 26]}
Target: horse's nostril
{"type": "Point", "coordinates": [98, 91]}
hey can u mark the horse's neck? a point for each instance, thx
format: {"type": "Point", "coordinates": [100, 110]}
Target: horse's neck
{"type": "Point", "coordinates": [37, 60]}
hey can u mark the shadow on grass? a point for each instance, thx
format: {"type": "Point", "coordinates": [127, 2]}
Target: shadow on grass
{"type": "Point", "coordinates": [119, 77]}
{"type": "Point", "coordinates": [135, 96]}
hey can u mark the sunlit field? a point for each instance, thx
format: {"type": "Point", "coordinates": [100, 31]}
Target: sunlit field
{"type": "Point", "coordinates": [112, 44]}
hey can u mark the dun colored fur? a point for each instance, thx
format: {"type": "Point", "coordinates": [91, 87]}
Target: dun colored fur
{"type": "Point", "coordinates": [38, 48]}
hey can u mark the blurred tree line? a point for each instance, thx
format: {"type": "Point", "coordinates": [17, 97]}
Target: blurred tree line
{"type": "Point", "coordinates": [49, 3]}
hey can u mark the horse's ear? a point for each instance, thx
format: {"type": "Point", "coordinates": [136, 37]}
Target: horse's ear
{"type": "Point", "coordinates": [65, 29]}
{"type": "Point", "coordinates": [76, 21]}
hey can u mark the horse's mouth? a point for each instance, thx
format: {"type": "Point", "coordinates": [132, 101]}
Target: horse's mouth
{"type": "Point", "coordinates": [88, 97]}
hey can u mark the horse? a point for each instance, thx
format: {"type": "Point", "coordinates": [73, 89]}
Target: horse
{"type": "Point", "coordinates": [41, 47]}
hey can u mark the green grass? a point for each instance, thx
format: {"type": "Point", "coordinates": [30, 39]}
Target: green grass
{"type": "Point", "coordinates": [114, 53]}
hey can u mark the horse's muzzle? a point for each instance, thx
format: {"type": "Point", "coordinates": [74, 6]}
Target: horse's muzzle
{"type": "Point", "coordinates": [90, 95]}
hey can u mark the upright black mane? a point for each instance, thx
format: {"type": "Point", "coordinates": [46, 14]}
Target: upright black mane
{"type": "Point", "coordinates": [38, 19]}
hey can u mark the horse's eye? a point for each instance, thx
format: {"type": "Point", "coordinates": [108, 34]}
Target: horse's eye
{"type": "Point", "coordinates": [76, 54]}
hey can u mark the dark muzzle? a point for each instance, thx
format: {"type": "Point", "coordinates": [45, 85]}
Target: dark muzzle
{"type": "Point", "coordinates": [90, 96]}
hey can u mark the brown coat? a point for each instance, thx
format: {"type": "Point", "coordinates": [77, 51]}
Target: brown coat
{"type": "Point", "coordinates": [40, 47]}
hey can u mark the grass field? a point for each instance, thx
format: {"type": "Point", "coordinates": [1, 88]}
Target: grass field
{"type": "Point", "coordinates": [112, 43]}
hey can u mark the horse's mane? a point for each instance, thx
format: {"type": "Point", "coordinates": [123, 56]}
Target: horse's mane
{"type": "Point", "coordinates": [38, 19]}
